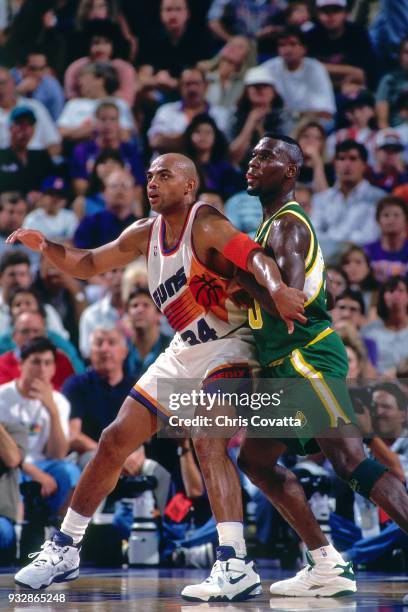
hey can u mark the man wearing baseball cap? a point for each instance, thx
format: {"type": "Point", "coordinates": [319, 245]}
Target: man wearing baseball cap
{"type": "Point", "coordinates": [50, 216]}
{"type": "Point", "coordinates": [22, 169]}
{"type": "Point", "coordinates": [344, 47]}
{"type": "Point", "coordinates": [389, 170]}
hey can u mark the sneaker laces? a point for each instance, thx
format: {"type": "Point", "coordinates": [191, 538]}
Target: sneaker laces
{"type": "Point", "coordinates": [48, 550]}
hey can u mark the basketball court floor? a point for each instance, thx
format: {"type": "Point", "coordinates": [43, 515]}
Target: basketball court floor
{"type": "Point", "coordinates": [151, 590]}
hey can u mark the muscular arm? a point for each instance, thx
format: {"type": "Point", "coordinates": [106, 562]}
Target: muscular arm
{"type": "Point", "coordinates": [216, 232]}
{"type": "Point", "coordinates": [85, 263]}
{"type": "Point", "coordinates": [289, 239]}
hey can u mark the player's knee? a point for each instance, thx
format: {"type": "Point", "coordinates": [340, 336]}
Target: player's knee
{"type": "Point", "coordinates": [344, 464]}
{"type": "Point", "coordinates": [111, 445]}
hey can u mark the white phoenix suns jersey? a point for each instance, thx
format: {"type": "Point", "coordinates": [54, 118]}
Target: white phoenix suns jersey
{"type": "Point", "coordinates": [192, 297]}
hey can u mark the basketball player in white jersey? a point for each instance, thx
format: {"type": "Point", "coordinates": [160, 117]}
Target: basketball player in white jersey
{"type": "Point", "coordinates": [189, 248]}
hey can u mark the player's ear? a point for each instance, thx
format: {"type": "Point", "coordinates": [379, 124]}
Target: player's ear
{"type": "Point", "coordinates": [191, 185]}
{"type": "Point", "coordinates": [291, 171]}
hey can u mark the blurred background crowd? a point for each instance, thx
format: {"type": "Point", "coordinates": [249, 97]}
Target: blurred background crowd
{"type": "Point", "coordinates": [90, 92]}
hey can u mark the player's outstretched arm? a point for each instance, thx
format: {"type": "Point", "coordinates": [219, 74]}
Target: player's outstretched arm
{"type": "Point", "coordinates": [218, 233]}
{"type": "Point", "coordinates": [85, 263]}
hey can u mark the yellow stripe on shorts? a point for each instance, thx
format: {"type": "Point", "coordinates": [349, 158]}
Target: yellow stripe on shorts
{"type": "Point", "coordinates": [306, 370]}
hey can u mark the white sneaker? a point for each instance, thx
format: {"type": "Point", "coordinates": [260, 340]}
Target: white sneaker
{"type": "Point", "coordinates": [58, 561]}
{"type": "Point", "coordinates": [231, 579]}
{"type": "Point", "coordinates": [323, 579]}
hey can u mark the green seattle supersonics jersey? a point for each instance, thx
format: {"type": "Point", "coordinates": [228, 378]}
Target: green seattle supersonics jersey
{"type": "Point", "coordinates": [271, 335]}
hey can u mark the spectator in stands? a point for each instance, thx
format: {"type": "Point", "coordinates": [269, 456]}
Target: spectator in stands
{"type": "Point", "coordinates": [315, 172]}
{"type": "Point", "coordinates": [246, 18]}
{"type": "Point", "coordinates": [346, 211]}
{"type": "Point", "coordinates": [259, 109]}
{"type": "Point", "coordinates": [29, 325]}
{"type": "Point", "coordinates": [15, 273]}
{"type": "Point", "coordinates": [146, 341]}
{"type": "Point", "coordinates": [21, 168]}
{"type": "Point", "coordinates": [102, 48]}
{"type": "Point", "coordinates": [390, 332]}
{"type": "Point", "coordinates": [303, 82]}
{"type": "Point", "coordinates": [173, 45]}
{"type": "Point", "coordinates": [106, 312]}
{"type": "Point", "coordinates": [13, 447]}
{"type": "Point", "coordinates": [299, 14]}
{"type": "Point", "coordinates": [107, 11]}
{"type": "Point", "coordinates": [96, 395]}
{"type": "Point", "coordinates": [337, 280]}
{"type": "Point", "coordinates": [389, 169]}
{"type": "Point", "coordinates": [207, 146]}
{"type": "Point", "coordinates": [387, 29]}
{"type": "Point", "coordinates": [213, 198]}
{"type": "Point", "coordinates": [64, 293]}
{"type": "Point", "coordinates": [359, 111]}
{"type": "Point", "coordinates": [97, 81]}
{"type": "Point", "coordinates": [27, 301]}
{"type": "Point", "coordinates": [390, 417]}
{"type": "Point", "coordinates": [105, 226]}
{"type": "Point", "coordinates": [93, 200]}
{"type": "Point", "coordinates": [35, 81]}
{"type": "Point", "coordinates": [356, 266]}
{"type": "Point", "coordinates": [245, 212]}
{"type": "Point", "coordinates": [51, 217]}
{"type": "Point", "coordinates": [304, 194]}
{"type": "Point", "coordinates": [226, 71]}
{"type": "Point", "coordinates": [45, 135]}
{"type": "Point", "coordinates": [171, 119]}
{"type": "Point", "coordinates": [30, 400]}
{"type": "Point", "coordinates": [343, 46]}
{"type": "Point", "coordinates": [107, 136]}
{"type": "Point", "coordinates": [389, 254]}
{"type": "Point", "coordinates": [13, 209]}
{"type": "Point", "coordinates": [359, 369]}
{"type": "Point", "coordinates": [350, 309]}
{"type": "Point", "coordinates": [391, 86]}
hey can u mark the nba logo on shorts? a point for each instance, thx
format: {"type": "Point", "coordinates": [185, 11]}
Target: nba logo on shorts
{"type": "Point", "coordinates": [155, 250]}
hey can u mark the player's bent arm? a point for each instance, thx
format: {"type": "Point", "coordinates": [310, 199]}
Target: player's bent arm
{"type": "Point", "coordinates": [217, 233]}
{"type": "Point", "coordinates": [290, 245]}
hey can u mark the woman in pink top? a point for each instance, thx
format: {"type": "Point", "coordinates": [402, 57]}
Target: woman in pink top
{"type": "Point", "coordinates": [102, 38]}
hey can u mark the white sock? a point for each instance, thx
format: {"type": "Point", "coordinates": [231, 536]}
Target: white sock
{"type": "Point", "coordinates": [232, 534]}
{"type": "Point", "coordinates": [325, 553]}
{"type": "Point", "coordinates": [75, 525]}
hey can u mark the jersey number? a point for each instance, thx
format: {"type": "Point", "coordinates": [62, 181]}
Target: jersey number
{"type": "Point", "coordinates": [255, 316]}
{"type": "Point", "coordinates": [205, 333]}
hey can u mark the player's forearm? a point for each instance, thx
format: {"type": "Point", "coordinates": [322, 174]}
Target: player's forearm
{"type": "Point", "coordinates": [77, 262]}
{"type": "Point", "coordinates": [260, 294]}
{"type": "Point", "coordinates": [265, 271]}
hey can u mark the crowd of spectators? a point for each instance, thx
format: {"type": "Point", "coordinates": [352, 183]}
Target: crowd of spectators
{"type": "Point", "coordinates": [90, 92]}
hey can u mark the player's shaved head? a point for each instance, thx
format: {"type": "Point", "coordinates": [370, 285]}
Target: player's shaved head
{"type": "Point", "coordinates": [178, 162]}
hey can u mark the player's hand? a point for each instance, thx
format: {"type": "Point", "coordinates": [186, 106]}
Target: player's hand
{"type": "Point", "coordinates": [32, 239]}
{"type": "Point", "coordinates": [290, 304]}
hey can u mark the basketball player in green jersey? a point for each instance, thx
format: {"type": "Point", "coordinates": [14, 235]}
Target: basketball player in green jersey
{"type": "Point", "coordinates": [315, 355]}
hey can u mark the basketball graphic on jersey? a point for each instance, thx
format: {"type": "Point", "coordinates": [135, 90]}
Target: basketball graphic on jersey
{"type": "Point", "coordinates": [207, 290]}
